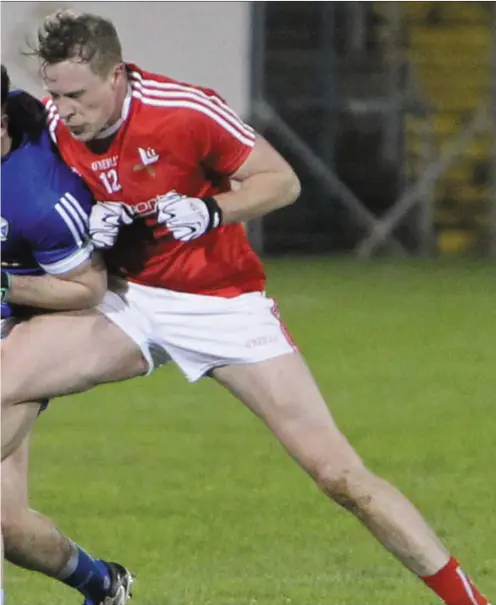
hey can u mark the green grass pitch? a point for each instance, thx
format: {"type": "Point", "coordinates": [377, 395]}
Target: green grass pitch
{"type": "Point", "coordinates": [190, 491]}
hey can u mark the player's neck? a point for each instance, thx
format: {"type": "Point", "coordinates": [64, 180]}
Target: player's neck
{"type": "Point", "coordinates": [104, 139]}
{"type": "Point", "coordinates": [120, 111]}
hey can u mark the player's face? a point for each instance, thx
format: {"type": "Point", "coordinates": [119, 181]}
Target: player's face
{"type": "Point", "coordinates": [87, 102]}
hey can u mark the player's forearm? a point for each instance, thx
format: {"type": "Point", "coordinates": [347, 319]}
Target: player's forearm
{"type": "Point", "coordinates": [259, 195]}
{"type": "Point", "coordinates": [49, 292]}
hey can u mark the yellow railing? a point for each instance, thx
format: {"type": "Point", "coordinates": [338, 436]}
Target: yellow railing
{"type": "Point", "coordinates": [448, 48]}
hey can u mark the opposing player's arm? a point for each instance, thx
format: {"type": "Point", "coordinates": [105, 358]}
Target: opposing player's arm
{"type": "Point", "coordinates": [75, 275]}
{"type": "Point", "coordinates": [79, 288]}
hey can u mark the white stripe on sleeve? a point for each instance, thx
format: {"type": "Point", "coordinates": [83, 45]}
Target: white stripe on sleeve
{"type": "Point", "coordinates": [79, 223]}
{"type": "Point", "coordinates": [250, 142]}
{"type": "Point", "coordinates": [69, 262]}
{"type": "Point", "coordinates": [70, 224]}
{"type": "Point", "coordinates": [71, 202]}
{"type": "Point", "coordinates": [77, 206]}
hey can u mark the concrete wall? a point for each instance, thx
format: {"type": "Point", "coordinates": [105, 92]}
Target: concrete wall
{"type": "Point", "coordinates": [198, 42]}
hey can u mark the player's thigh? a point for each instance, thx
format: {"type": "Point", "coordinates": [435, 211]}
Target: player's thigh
{"type": "Point", "coordinates": [284, 394]}
{"type": "Point", "coordinates": [14, 481]}
{"type": "Point", "coordinates": [62, 353]}
{"type": "Point", "coordinates": [17, 422]}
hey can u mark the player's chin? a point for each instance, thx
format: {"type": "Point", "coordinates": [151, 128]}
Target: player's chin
{"type": "Point", "coordinates": [83, 135]}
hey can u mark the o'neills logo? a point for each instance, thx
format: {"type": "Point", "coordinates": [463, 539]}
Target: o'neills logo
{"type": "Point", "coordinates": [105, 163]}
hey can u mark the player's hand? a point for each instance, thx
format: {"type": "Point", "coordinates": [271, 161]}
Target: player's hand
{"type": "Point", "coordinates": [6, 285]}
{"type": "Point", "coordinates": [188, 217]}
{"type": "Point", "coordinates": [106, 219]}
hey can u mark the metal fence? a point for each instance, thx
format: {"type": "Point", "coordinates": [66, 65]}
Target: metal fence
{"type": "Point", "coordinates": [388, 110]}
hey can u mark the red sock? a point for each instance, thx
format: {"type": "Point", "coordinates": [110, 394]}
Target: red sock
{"type": "Point", "coordinates": [452, 585]}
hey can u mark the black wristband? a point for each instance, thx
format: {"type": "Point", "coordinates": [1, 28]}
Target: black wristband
{"type": "Point", "coordinates": [214, 212]}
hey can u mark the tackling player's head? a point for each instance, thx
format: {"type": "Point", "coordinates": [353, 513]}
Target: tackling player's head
{"type": "Point", "coordinates": [23, 116]}
{"type": "Point", "coordinates": [5, 85]}
{"type": "Point", "coordinates": [83, 71]}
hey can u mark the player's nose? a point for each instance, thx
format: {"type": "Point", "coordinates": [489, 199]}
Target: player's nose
{"type": "Point", "coordinates": [65, 109]}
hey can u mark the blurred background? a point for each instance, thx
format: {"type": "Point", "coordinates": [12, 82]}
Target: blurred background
{"type": "Point", "coordinates": [386, 109]}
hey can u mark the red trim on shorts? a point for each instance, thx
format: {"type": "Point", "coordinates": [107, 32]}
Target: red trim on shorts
{"type": "Point", "coordinates": [286, 333]}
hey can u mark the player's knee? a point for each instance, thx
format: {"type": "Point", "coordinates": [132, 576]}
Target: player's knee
{"type": "Point", "coordinates": [350, 486]}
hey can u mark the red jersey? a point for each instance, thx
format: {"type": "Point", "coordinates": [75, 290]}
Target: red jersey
{"type": "Point", "coordinates": [174, 137]}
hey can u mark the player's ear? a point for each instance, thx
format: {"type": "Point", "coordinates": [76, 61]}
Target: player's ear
{"type": "Point", "coordinates": [5, 124]}
{"type": "Point", "coordinates": [119, 73]}
{"type": "Point", "coordinates": [5, 134]}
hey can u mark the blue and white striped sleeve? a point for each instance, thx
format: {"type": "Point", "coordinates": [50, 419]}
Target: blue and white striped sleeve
{"type": "Point", "coordinates": [61, 242]}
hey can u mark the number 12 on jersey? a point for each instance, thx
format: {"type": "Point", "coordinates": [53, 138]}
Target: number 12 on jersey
{"type": "Point", "coordinates": [110, 179]}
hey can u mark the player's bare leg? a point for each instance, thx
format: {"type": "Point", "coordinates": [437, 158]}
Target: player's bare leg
{"type": "Point", "coordinates": [17, 421]}
{"type": "Point", "coordinates": [63, 353]}
{"type": "Point", "coordinates": [33, 542]}
{"type": "Point", "coordinates": [283, 393]}
{"type": "Point", "coordinates": [30, 540]}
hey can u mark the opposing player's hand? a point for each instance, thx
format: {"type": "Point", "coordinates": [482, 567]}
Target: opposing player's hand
{"type": "Point", "coordinates": [106, 219]}
{"type": "Point", "coordinates": [188, 217]}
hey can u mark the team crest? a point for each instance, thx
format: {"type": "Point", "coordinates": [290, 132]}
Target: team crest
{"type": "Point", "coordinates": [4, 229]}
{"type": "Point", "coordinates": [148, 157]}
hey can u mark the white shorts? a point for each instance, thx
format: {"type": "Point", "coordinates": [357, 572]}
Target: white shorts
{"type": "Point", "coordinates": [197, 332]}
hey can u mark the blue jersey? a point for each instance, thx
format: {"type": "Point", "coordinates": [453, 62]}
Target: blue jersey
{"type": "Point", "coordinates": [45, 211]}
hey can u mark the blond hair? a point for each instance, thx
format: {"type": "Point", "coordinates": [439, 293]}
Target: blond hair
{"type": "Point", "coordinates": [66, 35]}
